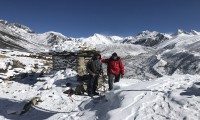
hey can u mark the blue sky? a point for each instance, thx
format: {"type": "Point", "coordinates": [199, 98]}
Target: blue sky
{"type": "Point", "coordinates": [83, 18]}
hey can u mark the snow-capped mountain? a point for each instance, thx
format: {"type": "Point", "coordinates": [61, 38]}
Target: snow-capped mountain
{"type": "Point", "coordinates": [177, 55]}
{"type": "Point", "coordinates": [182, 32]}
{"type": "Point", "coordinates": [148, 38]}
{"type": "Point", "coordinates": [98, 39]}
{"type": "Point", "coordinates": [20, 37]}
{"type": "Point", "coordinates": [194, 32]}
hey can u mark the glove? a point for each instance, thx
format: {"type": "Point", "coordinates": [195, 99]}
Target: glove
{"type": "Point", "coordinates": [122, 76]}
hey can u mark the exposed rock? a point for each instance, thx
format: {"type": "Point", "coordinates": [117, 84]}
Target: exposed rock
{"type": "Point", "coordinates": [23, 27]}
{"type": "Point", "coordinates": [152, 41]}
{"type": "Point", "coordinates": [3, 71]}
{"type": "Point", "coordinates": [185, 63]}
{"type": "Point", "coordinates": [17, 64]}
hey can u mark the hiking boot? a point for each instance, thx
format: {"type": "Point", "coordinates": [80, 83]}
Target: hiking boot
{"type": "Point", "coordinates": [91, 95]}
{"type": "Point", "coordinates": [110, 89]}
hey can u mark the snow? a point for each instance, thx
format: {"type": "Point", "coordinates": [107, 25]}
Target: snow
{"type": "Point", "coordinates": [71, 46]}
{"type": "Point", "coordinates": [138, 96]}
{"type": "Point", "coordinates": [4, 63]}
{"type": "Point", "coordinates": [168, 97]}
{"type": "Point", "coordinates": [182, 43]}
{"type": "Point", "coordinates": [97, 39]}
{"type": "Point", "coordinates": [174, 97]}
{"type": "Point", "coordinates": [159, 99]}
{"type": "Point", "coordinates": [122, 50]}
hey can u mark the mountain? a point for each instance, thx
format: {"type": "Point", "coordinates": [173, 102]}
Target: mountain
{"type": "Point", "coordinates": [179, 55]}
{"type": "Point", "coordinates": [148, 38]}
{"type": "Point", "coordinates": [194, 32]}
{"type": "Point", "coordinates": [20, 37]}
{"type": "Point", "coordinates": [98, 39]}
{"type": "Point", "coordinates": [182, 32]}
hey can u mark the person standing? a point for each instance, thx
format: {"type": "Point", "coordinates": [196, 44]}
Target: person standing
{"type": "Point", "coordinates": [94, 68]}
{"type": "Point", "coordinates": [115, 69]}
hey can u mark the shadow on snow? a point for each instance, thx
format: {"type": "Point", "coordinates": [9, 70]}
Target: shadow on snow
{"type": "Point", "coordinates": [192, 90]}
{"type": "Point", "coordinates": [9, 105]}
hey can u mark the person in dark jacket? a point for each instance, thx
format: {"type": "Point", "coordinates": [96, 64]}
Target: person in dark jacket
{"type": "Point", "coordinates": [115, 69]}
{"type": "Point", "coordinates": [94, 68]}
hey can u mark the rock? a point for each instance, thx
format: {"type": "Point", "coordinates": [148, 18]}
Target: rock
{"type": "Point", "coordinates": [69, 91]}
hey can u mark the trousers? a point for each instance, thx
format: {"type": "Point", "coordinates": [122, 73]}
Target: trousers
{"type": "Point", "coordinates": [112, 78]}
{"type": "Point", "coordinates": [92, 84]}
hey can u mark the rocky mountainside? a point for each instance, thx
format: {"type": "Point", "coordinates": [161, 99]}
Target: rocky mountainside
{"type": "Point", "coordinates": [148, 38]}
{"type": "Point", "coordinates": [19, 37]}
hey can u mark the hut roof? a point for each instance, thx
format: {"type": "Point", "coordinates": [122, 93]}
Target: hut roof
{"type": "Point", "coordinates": [77, 53]}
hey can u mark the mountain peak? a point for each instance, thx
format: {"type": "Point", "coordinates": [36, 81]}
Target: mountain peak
{"type": "Point", "coordinates": [194, 32]}
{"type": "Point", "coordinates": [53, 33]}
{"type": "Point", "coordinates": [181, 31]}
{"type": "Point", "coordinates": [4, 22]}
{"type": "Point", "coordinates": [97, 34]}
{"type": "Point", "coordinates": [147, 32]}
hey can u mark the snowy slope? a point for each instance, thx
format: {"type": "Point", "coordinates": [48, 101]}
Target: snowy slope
{"type": "Point", "coordinates": [97, 39]}
{"type": "Point", "coordinates": [19, 37]}
{"type": "Point", "coordinates": [169, 97]}
{"type": "Point", "coordinates": [148, 38]}
{"type": "Point", "coordinates": [123, 50]}
{"type": "Point", "coordinates": [178, 55]}
{"type": "Point", "coordinates": [182, 32]}
{"type": "Point", "coordinates": [175, 97]}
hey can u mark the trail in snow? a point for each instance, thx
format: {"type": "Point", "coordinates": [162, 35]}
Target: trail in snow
{"type": "Point", "coordinates": [159, 99]}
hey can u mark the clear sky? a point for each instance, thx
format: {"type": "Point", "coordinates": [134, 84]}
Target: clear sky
{"type": "Point", "coordinates": [83, 18]}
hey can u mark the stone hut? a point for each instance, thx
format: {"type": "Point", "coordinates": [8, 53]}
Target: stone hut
{"type": "Point", "coordinates": [75, 60]}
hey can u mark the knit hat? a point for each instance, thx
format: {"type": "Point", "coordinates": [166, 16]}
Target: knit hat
{"type": "Point", "coordinates": [95, 55]}
{"type": "Point", "coordinates": [114, 54]}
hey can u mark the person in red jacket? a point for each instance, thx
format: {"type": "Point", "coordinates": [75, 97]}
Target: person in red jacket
{"type": "Point", "coordinates": [115, 69]}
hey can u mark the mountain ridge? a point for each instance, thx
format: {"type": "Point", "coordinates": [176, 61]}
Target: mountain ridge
{"type": "Point", "coordinates": [23, 38]}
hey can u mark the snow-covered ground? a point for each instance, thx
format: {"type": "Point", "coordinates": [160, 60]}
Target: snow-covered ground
{"type": "Point", "coordinates": [14, 63]}
{"type": "Point", "coordinates": [175, 98]}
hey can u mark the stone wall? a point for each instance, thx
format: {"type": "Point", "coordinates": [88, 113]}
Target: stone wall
{"type": "Point", "coordinates": [76, 61]}
{"type": "Point", "coordinates": [61, 62]}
